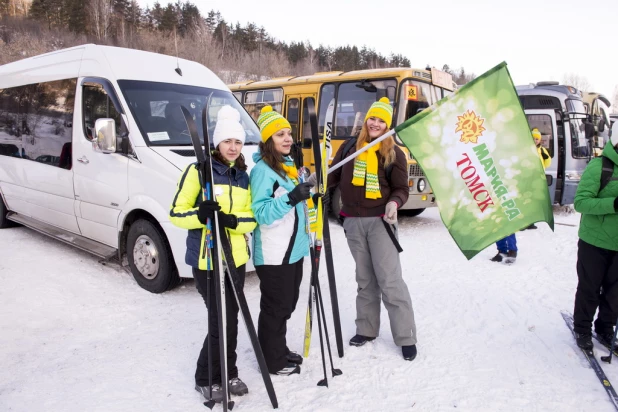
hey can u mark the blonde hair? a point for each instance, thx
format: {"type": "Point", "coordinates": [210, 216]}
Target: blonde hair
{"type": "Point", "coordinates": [387, 150]}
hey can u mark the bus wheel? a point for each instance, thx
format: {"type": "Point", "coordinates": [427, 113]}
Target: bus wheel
{"type": "Point", "coordinates": [4, 222]}
{"type": "Point", "coordinates": [335, 203]}
{"type": "Point", "coordinates": [150, 257]}
{"type": "Point", "coordinates": [411, 212]}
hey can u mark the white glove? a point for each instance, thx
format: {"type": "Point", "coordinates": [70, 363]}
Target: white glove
{"type": "Point", "coordinates": [390, 213]}
{"type": "Point", "coordinates": [313, 179]}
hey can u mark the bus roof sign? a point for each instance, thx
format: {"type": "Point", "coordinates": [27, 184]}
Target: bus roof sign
{"type": "Point", "coordinates": [441, 79]}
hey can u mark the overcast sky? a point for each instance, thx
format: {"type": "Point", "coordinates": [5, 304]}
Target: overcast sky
{"type": "Point", "coordinates": [539, 39]}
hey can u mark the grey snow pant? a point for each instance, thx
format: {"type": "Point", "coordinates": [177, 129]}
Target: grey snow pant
{"type": "Point", "coordinates": [378, 274]}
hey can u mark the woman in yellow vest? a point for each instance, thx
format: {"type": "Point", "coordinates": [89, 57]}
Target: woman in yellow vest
{"type": "Point", "coordinates": [233, 204]}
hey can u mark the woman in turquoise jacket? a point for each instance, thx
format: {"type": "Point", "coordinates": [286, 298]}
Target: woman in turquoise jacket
{"type": "Point", "coordinates": [281, 240]}
{"type": "Point", "coordinates": [597, 249]}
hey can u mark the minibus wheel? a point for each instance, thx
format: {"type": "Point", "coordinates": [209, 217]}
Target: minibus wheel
{"type": "Point", "coordinates": [150, 257]}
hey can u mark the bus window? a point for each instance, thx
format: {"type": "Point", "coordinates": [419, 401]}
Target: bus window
{"type": "Point", "coordinates": [292, 116]}
{"type": "Point", "coordinates": [415, 97]}
{"type": "Point", "coordinates": [254, 101]}
{"type": "Point", "coordinates": [327, 94]}
{"type": "Point", "coordinates": [544, 124]}
{"type": "Point", "coordinates": [238, 96]}
{"type": "Point", "coordinates": [353, 102]}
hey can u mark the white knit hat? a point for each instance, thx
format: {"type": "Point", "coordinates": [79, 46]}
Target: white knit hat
{"type": "Point", "coordinates": [228, 126]}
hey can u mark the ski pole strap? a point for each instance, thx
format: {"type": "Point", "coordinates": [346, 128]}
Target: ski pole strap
{"type": "Point", "coordinates": [389, 230]}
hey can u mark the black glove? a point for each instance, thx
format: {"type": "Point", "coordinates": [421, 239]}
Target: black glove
{"type": "Point", "coordinates": [300, 193]}
{"type": "Point", "coordinates": [325, 198]}
{"type": "Point", "coordinates": [207, 210]}
{"type": "Point", "coordinates": [616, 204]}
{"type": "Point", "coordinates": [544, 154]}
{"type": "Point", "coordinates": [227, 220]}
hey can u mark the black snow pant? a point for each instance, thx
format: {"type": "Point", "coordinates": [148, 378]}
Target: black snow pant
{"type": "Point", "coordinates": [280, 285]}
{"type": "Point", "coordinates": [597, 271]}
{"type": "Point", "coordinates": [231, 310]}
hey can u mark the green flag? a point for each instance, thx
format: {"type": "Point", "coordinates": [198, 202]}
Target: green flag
{"type": "Point", "coordinates": [477, 152]}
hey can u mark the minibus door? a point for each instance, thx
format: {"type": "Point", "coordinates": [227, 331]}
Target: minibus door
{"type": "Point", "coordinates": [101, 185]}
{"type": "Point", "coordinates": [545, 121]}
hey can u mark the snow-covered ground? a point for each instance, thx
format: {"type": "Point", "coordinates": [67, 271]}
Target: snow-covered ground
{"type": "Point", "coordinates": [76, 335]}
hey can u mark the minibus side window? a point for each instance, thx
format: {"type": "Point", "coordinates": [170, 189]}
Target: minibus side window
{"type": "Point", "coordinates": [97, 105]}
{"type": "Point", "coordinates": [36, 122]}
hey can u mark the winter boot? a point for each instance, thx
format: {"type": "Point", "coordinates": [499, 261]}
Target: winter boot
{"type": "Point", "coordinates": [584, 341]}
{"type": "Point", "coordinates": [360, 340]}
{"type": "Point", "coordinates": [511, 256]}
{"type": "Point", "coordinates": [606, 338]}
{"type": "Point", "coordinates": [294, 357]}
{"type": "Point", "coordinates": [409, 352]}
{"type": "Point", "coordinates": [289, 369]}
{"type": "Point", "coordinates": [499, 257]}
{"type": "Point", "coordinates": [238, 387]}
{"type": "Point", "coordinates": [217, 393]}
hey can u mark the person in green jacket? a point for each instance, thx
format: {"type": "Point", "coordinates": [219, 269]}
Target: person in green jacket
{"type": "Point", "coordinates": [233, 204]}
{"type": "Point", "coordinates": [597, 254]}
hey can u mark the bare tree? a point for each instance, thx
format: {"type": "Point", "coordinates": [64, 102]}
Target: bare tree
{"type": "Point", "coordinates": [101, 15]}
{"type": "Point", "coordinates": [577, 81]}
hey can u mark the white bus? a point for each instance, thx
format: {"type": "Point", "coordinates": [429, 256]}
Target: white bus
{"type": "Point", "coordinates": [108, 195]}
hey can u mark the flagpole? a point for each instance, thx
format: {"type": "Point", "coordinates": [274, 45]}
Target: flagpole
{"type": "Point", "coordinates": [349, 158]}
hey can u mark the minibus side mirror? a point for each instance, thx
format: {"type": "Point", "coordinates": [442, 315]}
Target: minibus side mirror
{"type": "Point", "coordinates": [105, 135]}
{"type": "Point", "coordinates": [604, 122]}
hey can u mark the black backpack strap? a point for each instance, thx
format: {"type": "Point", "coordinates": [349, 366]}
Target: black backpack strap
{"type": "Point", "coordinates": [606, 172]}
{"type": "Point", "coordinates": [348, 146]}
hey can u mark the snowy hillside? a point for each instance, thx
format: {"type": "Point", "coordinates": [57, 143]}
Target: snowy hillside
{"type": "Point", "coordinates": [81, 336]}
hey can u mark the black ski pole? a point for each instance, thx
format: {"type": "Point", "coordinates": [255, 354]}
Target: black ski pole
{"type": "Point", "coordinates": [336, 372]}
{"type": "Point", "coordinates": [608, 359]}
{"type": "Point", "coordinates": [314, 276]}
{"type": "Point", "coordinates": [210, 403]}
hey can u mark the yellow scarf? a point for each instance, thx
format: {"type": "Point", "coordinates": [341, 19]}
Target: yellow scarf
{"type": "Point", "coordinates": [290, 172]}
{"type": "Point", "coordinates": [366, 169]}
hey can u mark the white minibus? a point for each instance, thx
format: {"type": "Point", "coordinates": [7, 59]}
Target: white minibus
{"type": "Point", "coordinates": [92, 144]}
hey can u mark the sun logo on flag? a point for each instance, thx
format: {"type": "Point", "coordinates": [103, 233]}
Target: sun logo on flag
{"type": "Point", "coordinates": [471, 127]}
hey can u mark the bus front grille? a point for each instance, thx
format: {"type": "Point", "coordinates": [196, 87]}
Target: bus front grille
{"type": "Point", "coordinates": [416, 171]}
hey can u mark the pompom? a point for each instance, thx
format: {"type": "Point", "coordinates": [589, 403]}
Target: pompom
{"type": "Point", "coordinates": [266, 109]}
{"type": "Point", "coordinates": [384, 100]}
{"type": "Point", "coordinates": [228, 113]}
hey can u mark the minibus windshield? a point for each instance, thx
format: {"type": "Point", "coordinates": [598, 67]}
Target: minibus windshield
{"type": "Point", "coordinates": [156, 109]}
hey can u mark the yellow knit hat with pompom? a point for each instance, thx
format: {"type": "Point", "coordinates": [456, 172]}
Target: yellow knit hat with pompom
{"type": "Point", "coordinates": [270, 122]}
{"type": "Point", "coordinates": [536, 134]}
{"type": "Point", "coordinates": [381, 109]}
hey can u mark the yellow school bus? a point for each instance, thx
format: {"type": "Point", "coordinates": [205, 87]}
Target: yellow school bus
{"type": "Point", "coordinates": [409, 91]}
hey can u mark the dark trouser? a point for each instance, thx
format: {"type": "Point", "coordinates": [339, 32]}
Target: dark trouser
{"type": "Point", "coordinates": [507, 244]}
{"type": "Point", "coordinates": [280, 286]}
{"type": "Point", "coordinates": [597, 271]}
{"type": "Point", "coordinates": [231, 310]}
